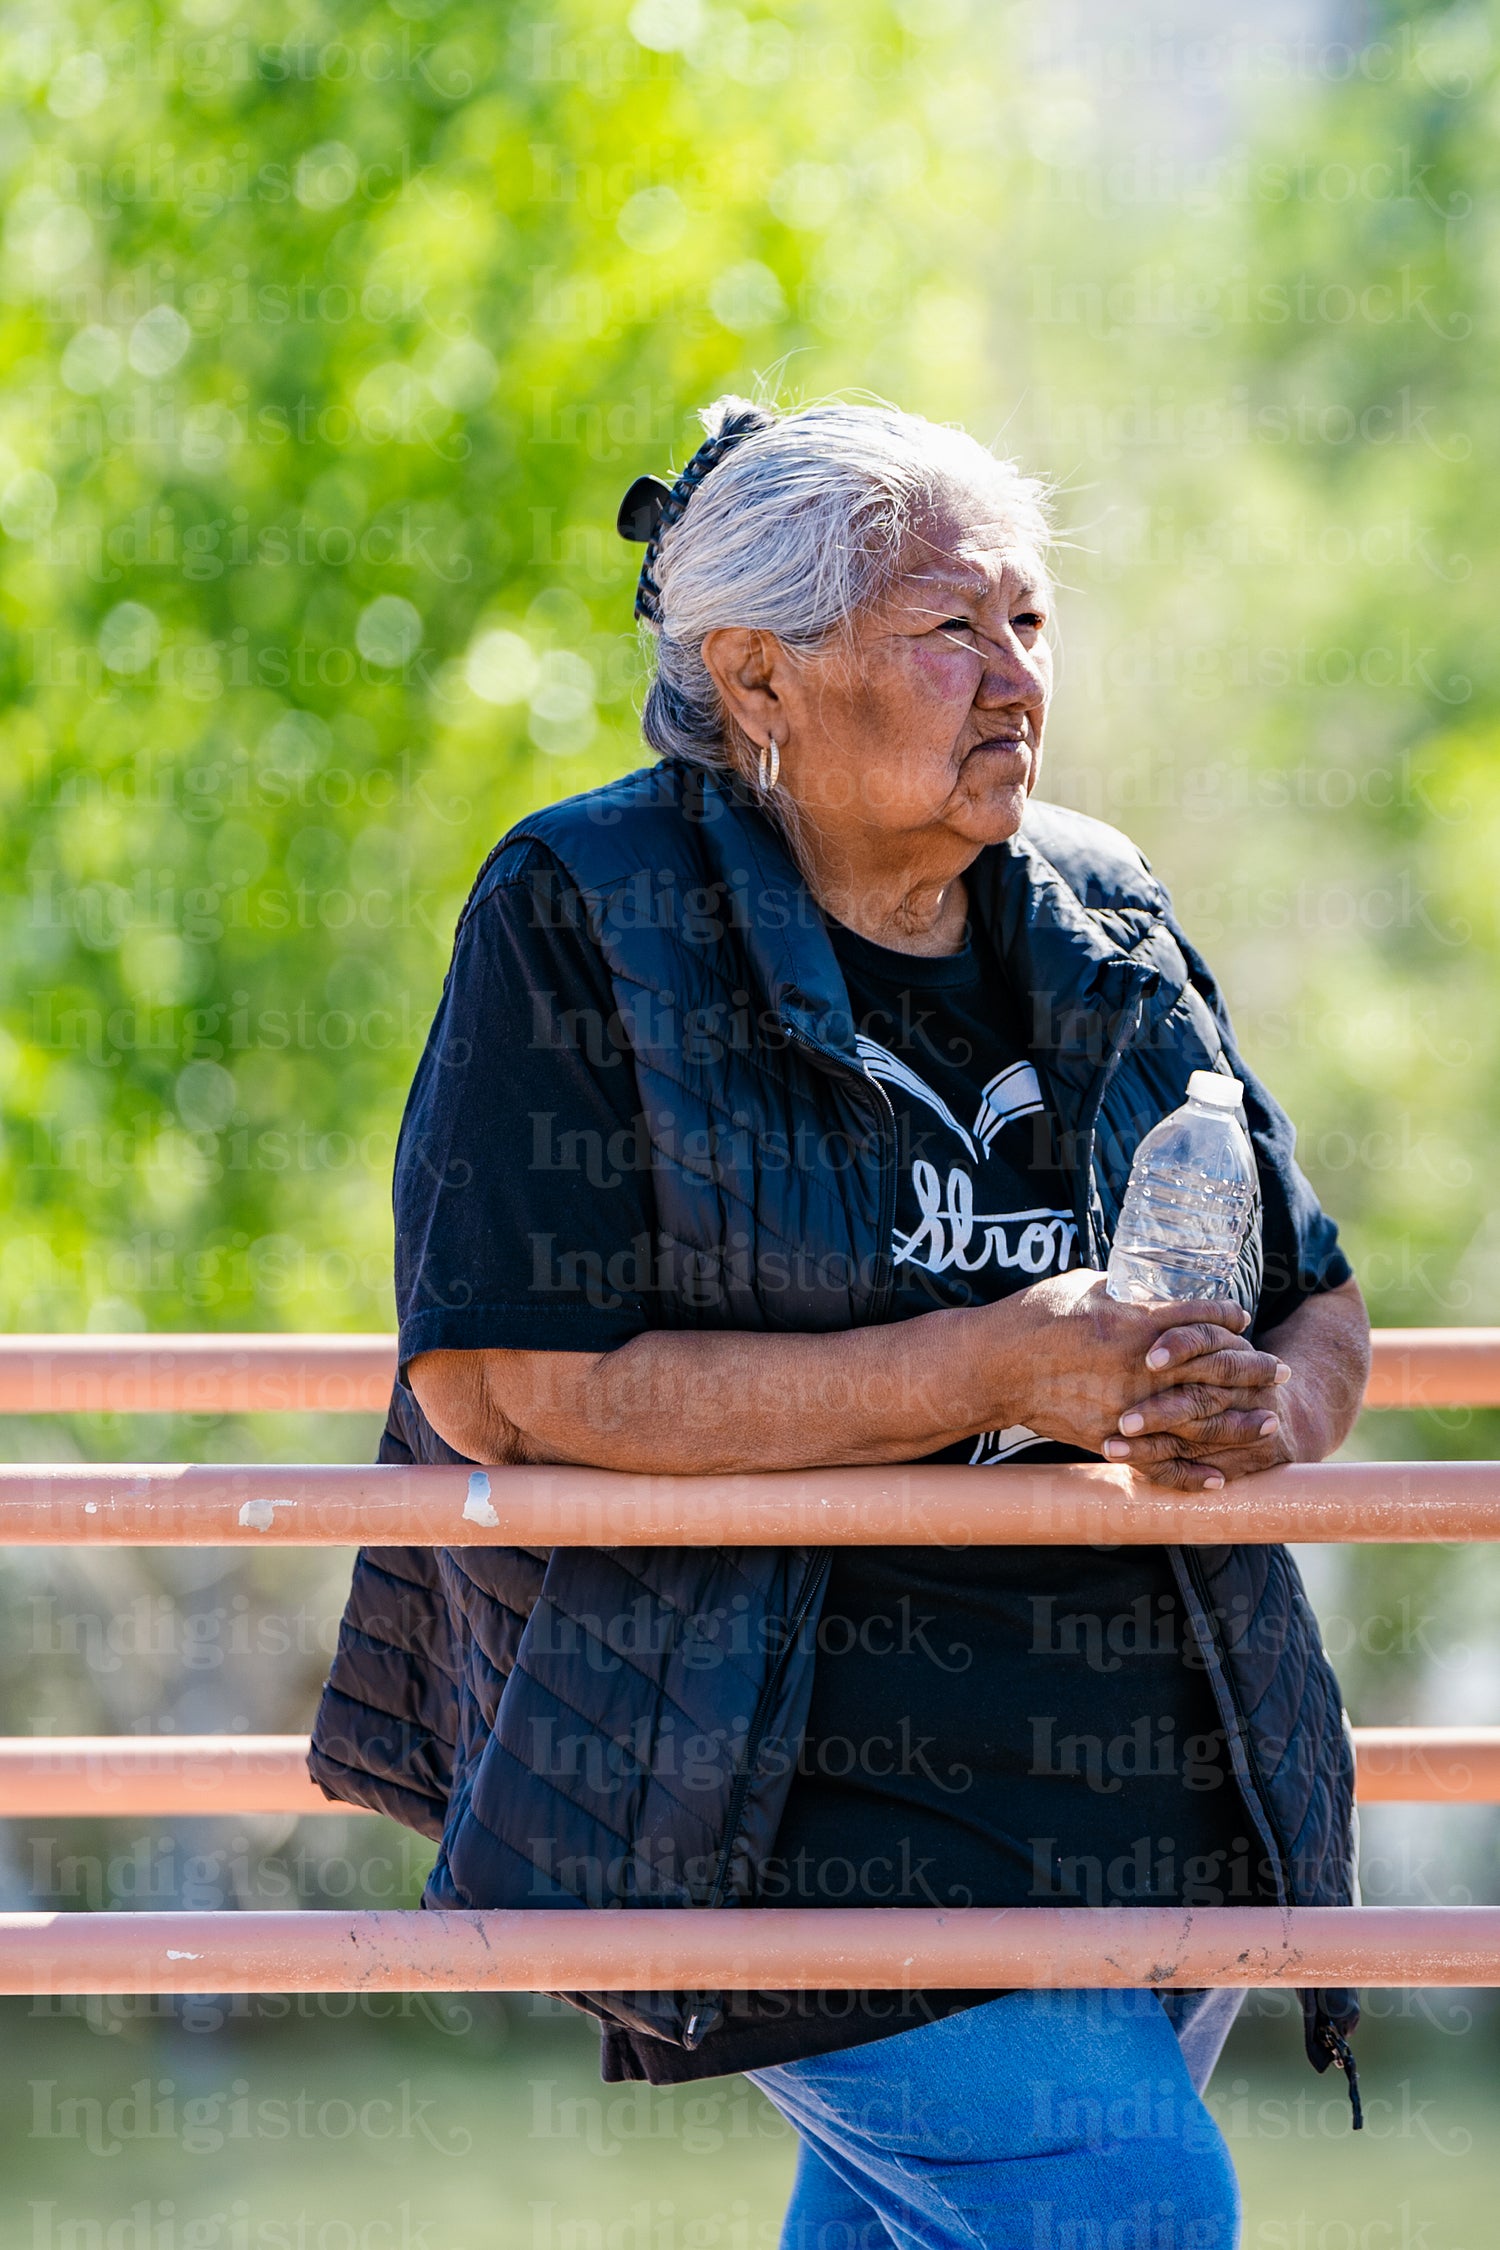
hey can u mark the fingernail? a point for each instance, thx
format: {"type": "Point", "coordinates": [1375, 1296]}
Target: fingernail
{"type": "Point", "coordinates": [1132, 1424]}
{"type": "Point", "coordinates": [1213, 1481]}
{"type": "Point", "coordinates": [1115, 1449]}
{"type": "Point", "coordinates": [1156, 1357]}
{"type": "Point", "coordinates": [1283, 1372]}
{"type": "Point", "coordinates": [1269, 1426]}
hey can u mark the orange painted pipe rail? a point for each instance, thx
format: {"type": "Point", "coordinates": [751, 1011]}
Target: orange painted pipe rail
{"type": "Point", "coordinates": [152, 1777]}
{"type": "Point", "coordinates": [186, 1374]}
{"type": "Point", "coordinates": [278, 1373]}
{"type": "Point", "coordinates": [1087, 1504]}
{"type": "Point", "coordinates": [1428, 1765]}
{"type": "Point", "coordinates": [738, 1949]}
{"type": "Point", "coordinates": [1431, 1367]}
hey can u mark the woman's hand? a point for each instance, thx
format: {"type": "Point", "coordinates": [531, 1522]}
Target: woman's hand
{"type": "Point", "coordinates": [1181, 1435]}
{"type": "Point", "coordinates": [1078, 1366]}
{"type": "Point", "coordinates": [1221, 1414]}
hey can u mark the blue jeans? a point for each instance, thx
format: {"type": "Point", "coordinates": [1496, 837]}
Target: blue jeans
{"type": "Point", "coordinates": [1041, 2121]}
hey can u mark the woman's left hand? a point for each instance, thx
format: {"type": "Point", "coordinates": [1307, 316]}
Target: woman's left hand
{"type": "Point", "coordinates": [1201, 1416]}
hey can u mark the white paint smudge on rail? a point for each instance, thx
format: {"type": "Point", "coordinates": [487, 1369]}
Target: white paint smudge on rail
{"type": "Point", "coordinates": [478, 1507]}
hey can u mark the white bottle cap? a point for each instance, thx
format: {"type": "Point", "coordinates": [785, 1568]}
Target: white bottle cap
{"type": "Point", "coordinates": [1213, 1087]}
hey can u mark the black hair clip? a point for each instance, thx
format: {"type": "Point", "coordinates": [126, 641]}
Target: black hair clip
{"type": "Point", "coordinates": [640, 514]}
{"type": "Point", "coordinates": [650, 507]}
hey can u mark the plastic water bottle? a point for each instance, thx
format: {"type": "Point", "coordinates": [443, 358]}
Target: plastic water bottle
{"type": "Point", "coordinates": [1193, 1196]}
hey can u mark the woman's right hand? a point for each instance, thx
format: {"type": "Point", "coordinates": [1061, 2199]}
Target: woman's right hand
{"type": "Point", "coordinates": [1069, 1360]}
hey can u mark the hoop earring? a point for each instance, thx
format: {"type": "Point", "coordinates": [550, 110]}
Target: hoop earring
{"type": "Point", "coordinates": [770, 766]}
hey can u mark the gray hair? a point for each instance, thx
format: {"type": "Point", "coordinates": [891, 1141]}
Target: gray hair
{"type": "Point", "coordinates": [802, 525]}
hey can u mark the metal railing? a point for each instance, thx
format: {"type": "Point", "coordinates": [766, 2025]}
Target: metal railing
{"type": "Point", "coordinates": [738, 1949]}
{"type": "Point", "coordinates": [275, 1374]}
{"type": "Point", "coordinates": [162, 1777]}
{"type": "Point", "coordinates": [1085, 1503]}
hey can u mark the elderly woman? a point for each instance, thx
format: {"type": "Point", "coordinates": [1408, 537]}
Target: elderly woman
{"type": "Point", "coordinates": [778, 1113]}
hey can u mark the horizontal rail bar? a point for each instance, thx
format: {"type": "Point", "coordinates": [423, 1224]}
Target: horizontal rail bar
{"type": "Point", "coordinates": [1432, 1367]}
{"type": "Point", "coordinates": [278, 1373]}
{"type": "Point", "coordinates": [1427, 1765]}
{"type": "Point", "coordinates": [66, 1777]}
{"type": "Point", "coordinates": [226, 1374]}
{"type": "Point", "coordinates": [737, 1949]}
{"type": "Point", "coordinates": [157, 1777]}
{"type": "Point", "coordinates": [1079, 1505]}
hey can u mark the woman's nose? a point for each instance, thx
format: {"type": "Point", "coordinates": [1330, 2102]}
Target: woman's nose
{"type": "Point", "coordinates": [1012, 675]}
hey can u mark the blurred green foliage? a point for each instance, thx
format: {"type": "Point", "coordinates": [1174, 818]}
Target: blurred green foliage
{"type": "Point", "coordinates": [332, 343]}
{"type": "Point", "coordinates": [331, 339]}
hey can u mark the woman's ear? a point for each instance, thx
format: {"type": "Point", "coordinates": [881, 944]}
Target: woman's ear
{"type": "Point", "coordinates": [745, 666]}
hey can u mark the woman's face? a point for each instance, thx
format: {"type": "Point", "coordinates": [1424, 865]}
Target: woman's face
{"type": "Point", "coordinates": [931, 719]}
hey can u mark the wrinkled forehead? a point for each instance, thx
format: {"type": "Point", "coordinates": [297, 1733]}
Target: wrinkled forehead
{"type": "Point", "coordinates": [969, 550]}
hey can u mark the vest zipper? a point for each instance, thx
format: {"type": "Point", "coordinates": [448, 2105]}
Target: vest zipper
{"type": "Point", "coordinates": [703, 2018]}
{"type": "Point", "coordinates": [1339, 2052]}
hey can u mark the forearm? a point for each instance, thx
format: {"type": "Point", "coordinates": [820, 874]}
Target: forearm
{"type": "Point", "coordinates": [705, 1403]}
{"type": "Point", "coordinates": [1326, 1344]}
{"type": "Point", "coordinates": [1059, 1357]}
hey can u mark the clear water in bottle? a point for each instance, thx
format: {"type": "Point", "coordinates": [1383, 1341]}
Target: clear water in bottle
{"type": "Point", "coordinates": [1193, 1197]}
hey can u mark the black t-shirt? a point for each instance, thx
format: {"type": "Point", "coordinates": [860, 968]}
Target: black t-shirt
{"type": "Point", "coordinates": [1001, 1726]}
{"type": "Point", "coordinates": [982, 1205]}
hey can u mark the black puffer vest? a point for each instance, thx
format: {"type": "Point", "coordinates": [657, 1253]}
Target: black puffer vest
{"type": "Point", "coordinates": [594, 1729]}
